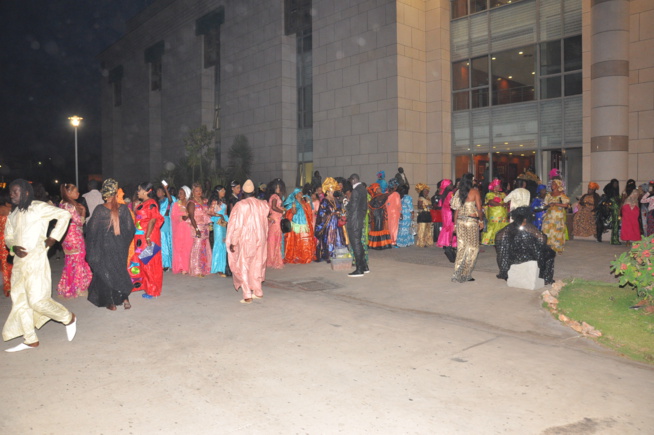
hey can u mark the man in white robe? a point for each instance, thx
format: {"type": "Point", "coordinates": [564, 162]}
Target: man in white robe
{"type": "Point", "coordinates": [31, 281]}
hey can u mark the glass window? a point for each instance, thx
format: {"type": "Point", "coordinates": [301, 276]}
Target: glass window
{"type": "Point", "coordinates": [480, 98]}
{"type": "Point", "coordinates": [512, 73]}
{"type": "Point", "coordinates": [550, 57]}
{"type": "Point", "coordinates": [477, 6]}
{"type": "Point", "coordinates": [572, 53]}
{"type": "Point", "coordinates": [573, 84]}
{"type": "Point", "coordinates": [479, 72]}
{"type": "Point", "coordinates": [460, 100]}
{"type": "Point", "coordinates": [459, 8]}
{"type": "Point", "coordinates": [460, 75]}
{"type": "Point", "coordinates": [550, 87]}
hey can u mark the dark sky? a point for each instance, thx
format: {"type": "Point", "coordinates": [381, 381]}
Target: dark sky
{"type": "Point", "coordinates": [48, 72]}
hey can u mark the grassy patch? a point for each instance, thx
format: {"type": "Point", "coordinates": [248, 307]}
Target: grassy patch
{"type": "Point", "coordinates": [606, 307]}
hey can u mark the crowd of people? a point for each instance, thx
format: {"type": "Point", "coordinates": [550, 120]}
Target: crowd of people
{"type": "Point", "coordinates": [116, 245]}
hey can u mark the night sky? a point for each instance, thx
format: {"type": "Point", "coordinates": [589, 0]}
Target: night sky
{"type": "Point", "coordinates": [48, 72]}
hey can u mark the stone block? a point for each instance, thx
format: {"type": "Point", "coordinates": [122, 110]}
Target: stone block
{"type": "Point", "coordinates": [525, 275]}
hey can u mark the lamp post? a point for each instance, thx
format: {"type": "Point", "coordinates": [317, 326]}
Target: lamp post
{"type": "Point", "coordinates": [75, 121]}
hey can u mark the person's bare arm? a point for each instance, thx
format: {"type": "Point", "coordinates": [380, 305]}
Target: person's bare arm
{"type": "Point", "coordinates": [190, 209]}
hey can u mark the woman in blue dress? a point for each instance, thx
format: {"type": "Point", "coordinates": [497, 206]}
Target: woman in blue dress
{"type": "Point", "coordinates": [218, 212]}
{"type": "Point", "coordinates": [538, 206]}
{"type": "Point", "coordinates": [404, 236]}
{"type": "Point", "coordinates": [166, 202]}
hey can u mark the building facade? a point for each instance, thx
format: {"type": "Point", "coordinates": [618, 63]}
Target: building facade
{"type": "Point", "coordinates": [438, 87]}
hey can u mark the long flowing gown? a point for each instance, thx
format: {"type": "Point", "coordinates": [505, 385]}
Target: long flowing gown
{"type": "Point", "coordinates": [219, 255]}
{"type": "Point", "coordinates": [76, 276]}
{"type": "Point", "coordinates": [630, 229]}
{"type": "Point", "coordinates": [5, 266]}
{"type": "Point", "coordinates": [300, 243]}
{"type": "Point", "coordinates": [584, 220]}
{"type": "Point", "coordinates": [425, 229]}
{"type": "Point", "coordinates": [404, 236]}
{"type": "Point", "coordinates": [379, 236]}
{"type": "Point", "coordinates": [165, 207]}
{"type": "Point", "coordinates": [201, 249]}
{"type": "Point", "coordinates": [182, 239]}
{"type": "Point", "coordinates": [275, 259]}
{"type": "Point", "coordinates": [467, 231]}
{"type": "Point", "coordinates": [147, 277]}
{"type": "Point", "coordinates": [497, 216]}
{"type": "Point", "coordinates": [447, 237]}
{"type": "Point", "coordinates": [648, 199]}
{"type": "Point", "coordinates": [328, 234]}
{"type": "Point", "coordinates": [554, 222]}
{"type": "Point", "coordinates": [394, 210]}
{"type": "Point", "coordinates": [106, 253]}
{"type": "Point", "coordinates": [248, 232]}
{"type": "Point", "coordinates": [539, 212]}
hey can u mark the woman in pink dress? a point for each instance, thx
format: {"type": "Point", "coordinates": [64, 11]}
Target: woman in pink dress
{"type": "Point", "coordinates": [76, 276]}
{"type": "Point", "coordinates": [275, 196]}
{"type": "Point", "coordinates": [198, 215]}
{"type": "Point", "coordinates": [394, 210]}
{"type": "Point", "coordinates": [630, 210]}
{"type": "Point", "coordinates": [182, 232]}
{"type": "Point", "coordinates": [446, 236]}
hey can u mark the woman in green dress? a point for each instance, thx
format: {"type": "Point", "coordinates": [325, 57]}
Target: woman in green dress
{"type": "Point", "coordinates": [496, 212]}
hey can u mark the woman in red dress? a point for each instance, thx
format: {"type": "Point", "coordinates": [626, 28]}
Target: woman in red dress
{"type": "Point", "coordinates": [300, 243]}
{"type": "Point", "coordinates": [147, 277]}
{"type": "Point", "coordinates": [629, 212]}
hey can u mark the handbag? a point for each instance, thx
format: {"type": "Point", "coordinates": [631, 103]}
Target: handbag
{"type": "Point", "coordinates": [450, 253]}
{"type": "Point", "coordinates": [285, 225]}
{"type": "Point", "coordinates": [424, 217]}
{"type": "Point", "coordinates": [149, 252]}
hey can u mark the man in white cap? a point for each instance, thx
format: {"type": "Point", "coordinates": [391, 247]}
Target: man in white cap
{"type": "Point", "coordinates": [247, 233]}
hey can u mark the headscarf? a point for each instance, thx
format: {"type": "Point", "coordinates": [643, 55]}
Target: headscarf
{"type": "Point", "coordinates": [381, 175]}
{"type": "Point", "coordinates": [299, 218]}
{"type": "Point", "coordinates": [109, 188]}
{"type": "Point", "coordinates": [393, 183]}
{"type": "Point", "coordinates": [446, 182]}
{"type": "Point", "coordinates": [374, 189]}
{"type": "Point", "coordinates": [540, 188]}
{"type": "Point", "coordinates": [495, 183]}
{"type": "Point", "coordinates": [329, 184]}
{"type": "Point", "coordinates": [593, 186]}
{"type": "Point", "coordinates": [558, 185]}
{"type": "Point", "coordinates": [554, 173]}
{"type": "Point", "coordinates": [420, 187]}
{"type": "Point", "coordinates": [187, 191]}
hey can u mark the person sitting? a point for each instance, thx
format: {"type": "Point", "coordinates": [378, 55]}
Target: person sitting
{"type": "Point", "coordinates": [521, 241]}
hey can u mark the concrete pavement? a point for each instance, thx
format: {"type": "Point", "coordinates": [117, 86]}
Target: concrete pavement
{"type": "Point", "coordinates": [401, 350]}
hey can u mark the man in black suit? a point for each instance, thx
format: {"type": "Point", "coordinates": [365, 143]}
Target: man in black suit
{"type": "Point", "coordinates": [356, 209]}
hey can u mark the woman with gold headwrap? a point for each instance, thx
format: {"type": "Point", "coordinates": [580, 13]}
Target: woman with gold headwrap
{"type": "Point", "coordinates": [554, 222]}
{"type": "Point", "coordinates": [109, 233]}
{"type": "Point", "coordinates": [425, 226]}
{"type": "Point", "coordinates": [328, 232]}
{"type": "Point", "coordinates": [584, 220]}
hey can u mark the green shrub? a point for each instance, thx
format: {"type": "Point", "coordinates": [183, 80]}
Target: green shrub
{"type": "Point", "coordinates": [635, 267]}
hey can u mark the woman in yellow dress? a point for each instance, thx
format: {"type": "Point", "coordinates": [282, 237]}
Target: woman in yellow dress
{"type": "Point", "coordinates": [496, 212]}
{"type": "Point", "coordinates": [554, 222]}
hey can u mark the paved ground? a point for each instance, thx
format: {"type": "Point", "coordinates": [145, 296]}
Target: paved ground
{"type": "Point", "coordinates": [402, 350]}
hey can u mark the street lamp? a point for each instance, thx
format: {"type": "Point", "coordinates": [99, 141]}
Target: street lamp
{"type": "Point", "coordinates": [74, 121]}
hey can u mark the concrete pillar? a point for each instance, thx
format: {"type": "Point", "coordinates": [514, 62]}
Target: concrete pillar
{"type": "Point", "coordinates": [609, 126]}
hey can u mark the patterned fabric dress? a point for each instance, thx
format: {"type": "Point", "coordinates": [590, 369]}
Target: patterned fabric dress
{"type": "Point", "coordinates": [497, 216]}
{"type": "Point", "coordinates": [300, 243]}
{"type": "Point", "coordinates": [447, 237]}
{"type": "Point", "coordinates": [328, 234]}
{"type": "Point", "coordinates": [379, 236]}
{"type": "Point", "coordinates": [5, 267]}
{"type": "Point", "coordinates": [147, 277]}
{"type": "Point", "coordinates": [554, 222]}
{"type": "Point", "coordinates": [404, 236]}
{"type": "Point", "coordinates": [425, 229]}
{"type": "Point", "coordinates": [219, 254]}
{"type": "Point", "coordinates": [649, 200]}
{"type": "Point", "coordinates": [275, 258]}
{"type": "Point", "coordinates": [76, 276]}
{"type": "Point", "coordinates": [201, 249]}
{"type": "Point", "coordinates": [165, 208]}
{"type": "Point", "coordinates": [584, 220]}
{"type": "Point", "coordinates": [467, 231]}
{"type": "Point", "coordinates": [539, 213]}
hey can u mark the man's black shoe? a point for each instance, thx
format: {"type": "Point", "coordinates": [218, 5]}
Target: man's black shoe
{"type": "Point", "coordinates": [357, 273]}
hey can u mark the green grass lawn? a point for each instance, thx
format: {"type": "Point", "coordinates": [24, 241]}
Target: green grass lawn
{"type": "Point", "coordinates": [606, 307]}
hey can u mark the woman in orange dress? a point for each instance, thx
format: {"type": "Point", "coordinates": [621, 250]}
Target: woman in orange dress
{"type": "Point", "coordinates": [300, 244]}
